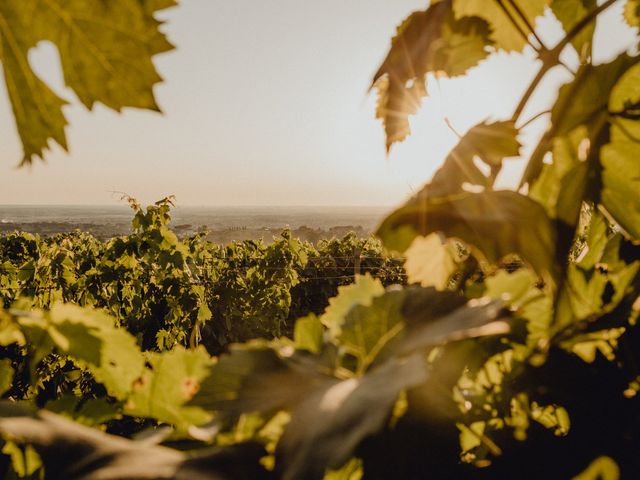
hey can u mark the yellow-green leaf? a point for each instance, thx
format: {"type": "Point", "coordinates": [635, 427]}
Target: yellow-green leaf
{"type": "Point", "coordinates": [509, 29]}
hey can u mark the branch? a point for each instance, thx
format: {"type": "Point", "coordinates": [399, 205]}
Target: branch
{"type": "Point", "coordinates": [534, 118]}
{"type": "Point", "coordinates": [526, 21]}
{"type": "Point", "coordinates": [551, 58]}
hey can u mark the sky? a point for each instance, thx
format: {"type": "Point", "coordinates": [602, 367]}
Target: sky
{"type": "Point", "coordinates": [267, 103]}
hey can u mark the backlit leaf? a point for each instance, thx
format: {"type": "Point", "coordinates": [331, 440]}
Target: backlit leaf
{"type": "Point", "coordinates": [570, 12]}
{"type": "Point", "coordinates": [174, 378]}
{"type": "Point", "coordinates": [632, 13]}
{"type": "Point", "coordinates": [504, 33]}
{"type": "Point", "coordinates": [430, 41]}
{"type": "Point", "coordinates": [430, 262]}
{"type": "Point", "coordinates": [361, 292]}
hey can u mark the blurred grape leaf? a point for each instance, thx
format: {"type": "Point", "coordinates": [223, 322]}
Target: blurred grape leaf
{"type": "Point", "coordinates": [581, 102]}
{"type": "Point", "coordinates": [587, 345]}
{"type": "Point", "coordinates": [621, 181]}
{"type": "Point", "coordinates": [550, 187]}
{"type": "Point", "coordinates": [427, 41]}
{"type": "Point", "coordinates": [585, 98]}
{"type": "Point", "coordinates": [602, 468]}
{"type": "Point", "coordinates": [361, 292]}
{"type": "Point", "coordinates": [329, 424]}
{"type": "Point", "coordinates": [6, 375]}
{"type": "Point", "coordinates": [307, 333]}
{"type": "Point", "coordinates": [570, 12]}
{"type": "Point", "coordinates": [501, 16]}
{"type": "Point", "coordinates": [71, 451]}
{"type": "Point", "coordinates": [430, 262]}
{"type": "Point", "coordinates": [632, 13]}
{"type": "Point", "coordinates": [174, 378]}
{"type": "Point", "coordinates": [367, 329]}
{"type": "Point", "coordinates": [493, 223]}
{"type": "Point", "coordinates": [106, 51]}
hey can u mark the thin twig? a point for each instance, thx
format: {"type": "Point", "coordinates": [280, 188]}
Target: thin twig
{"type": "Point", "coordinates": [526, 21]}
{"type": "Point", "coordinates": [517, 26]}
{"type": "Point", "coordinates": [534, 118]}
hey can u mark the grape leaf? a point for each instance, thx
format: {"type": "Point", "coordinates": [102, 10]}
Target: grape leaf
{"type": "Point", "coordinates": [548, 189]}
{"type": "Point", "coordinates": [632, 13]}
{"type": "Point", "coordinates": [427, 41]}
{"type": "Point", "coordinates": [570, 12]}
{"type": "Point", "coordinates": [493, 223]}
{"type": "Point", "coordinates": [488, 143]}
{"type": "Point", "coordinates": [361, 292]}
{"type": "Point", "coordinates": [174, 378]}
{"type": "Point", "coordinates": [504, 32]}
{"type": "Point", "coordinates": [430, 262]}
{"type": "Point", "coordinates": [367, 329]}
{"type": "Point", "coordinates": [106, 51]}
{"type": "Point", "coordinates": [582, 100]}
{"type": "Point", "coordinates": [329, 424]}
{"type": "Point", "coordinates": [308, 333]}
{"type": "Point", "coordinates": [36, 108]}
{"type": "Point", "coordinates": [621, 181]}
{"type": "Point", "coordinates": [621, 171]}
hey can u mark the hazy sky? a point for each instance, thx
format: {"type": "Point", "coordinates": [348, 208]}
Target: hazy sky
{"type": "Point", "coordinates": [265, 103]}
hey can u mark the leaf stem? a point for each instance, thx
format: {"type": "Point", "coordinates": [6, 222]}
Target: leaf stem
{"type": "Point", "coordinates": [515, 24]}
{"type": "Point", "coordinates": [551, 58]}
{"type": "Point", "coordinates": [526, 21]}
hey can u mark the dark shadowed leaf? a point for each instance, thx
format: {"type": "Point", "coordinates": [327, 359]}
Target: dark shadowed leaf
{"type": "Point", "coordinates": [587, 96]}
{"type": "Point", "coordinates": [329, 424]}
{"type": "Point", "coordinates": [71, 451]}
{"type": "Point", "coordinates": [582, 102]}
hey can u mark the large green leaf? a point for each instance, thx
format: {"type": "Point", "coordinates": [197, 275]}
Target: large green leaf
{"type": "Point", "coordinates": [621, 181]}
{"type": "Point", "coordinates": [558, 186]}
{"type": "Point", "coordinates": [368, 329]}
{"type": "Point", "coordinates": [361, 292]}
{"type": "Point", "coordinates": [493, 223]}
{"type": "Point", "coordinates": [329, 424]}
{"type": "Point", "coordinates": [91, 339]}
{"type": "Point", "coordinates": [581, 101]}
{"type": "Point", "coordinates": [36, 108]}
{"type": "Point", "coordinates": [427, 41]}
{"type": "Point", "coordinates": [621, 169]}
{"type": "Point", "coordinates": [106, 51]}
{"type": "Point", "coordinates": [507, 25]}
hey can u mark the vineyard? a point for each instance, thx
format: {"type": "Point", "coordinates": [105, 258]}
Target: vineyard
{"type": "Point", "coordinates": [484, 333]}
